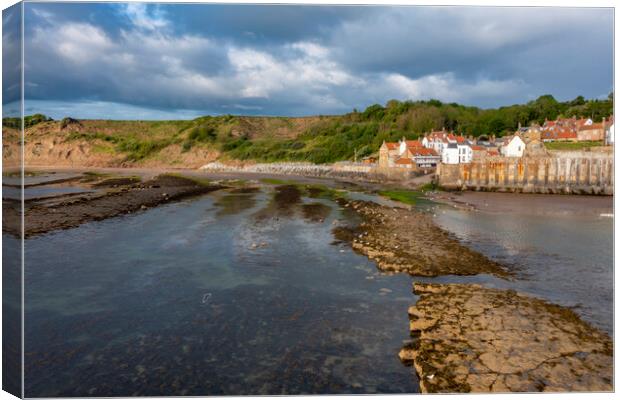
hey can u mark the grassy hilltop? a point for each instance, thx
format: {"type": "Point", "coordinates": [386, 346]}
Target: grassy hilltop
{"type": "Point", "coordinates": [317, 139]}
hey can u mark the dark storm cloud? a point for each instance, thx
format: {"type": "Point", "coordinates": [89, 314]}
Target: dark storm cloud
{"type": "Point", "coordinates": [294, 60]}
{"type": "Point", "coordinates": [11, 58]}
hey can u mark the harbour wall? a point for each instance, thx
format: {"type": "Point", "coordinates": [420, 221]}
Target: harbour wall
{"type": "Point", "coordinates": [342, 170]}
{"type": "Point", "coordinates": [571, 173]}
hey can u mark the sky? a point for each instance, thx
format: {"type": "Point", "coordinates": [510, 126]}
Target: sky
{"type": "Point", "coordinates": [165, 61]}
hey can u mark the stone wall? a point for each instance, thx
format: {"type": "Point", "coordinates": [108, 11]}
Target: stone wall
{"type": "Point", "coordinates": [344, 170]}
{"type": "Point", "coordinates": [576, 173]}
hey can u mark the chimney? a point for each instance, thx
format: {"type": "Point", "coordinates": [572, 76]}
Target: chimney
{"type": "Point", "coordinates": [520, 124]}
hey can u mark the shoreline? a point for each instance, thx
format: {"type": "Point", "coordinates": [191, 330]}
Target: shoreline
{"type": "Point", "coordinates": [455, 326]}
{"type": "Point", "coordinates": [111, 196]}
{"type": "Point", "coordinates": [398, 240]}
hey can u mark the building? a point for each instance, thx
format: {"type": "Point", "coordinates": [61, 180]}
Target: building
{"type": "Point", "coordinates": [425, 158]}
{"type": "Point", "coordinates": [450, 154]}
{"type": "Point", "coordinates": [512, 146]}
{"type": "Point", "coordinates": [407, 154]}
{"type": "Point", "coordinates": [559, 134]}
{"type": "Point", "coordinates": [464, 150]}
{"type": "Point", "coordinates": [609, 131]}
{"type": "Point", "coordinates": [388, 153]}
{"type": "Point", "coordinates": [481, 152]}
{"type": "Point", "coordinates": [591, 132]}
{"type": "Point", "coordinates": [573, 130]}
{"type": "Point", "coordinates": [529, 133]}
{"type": "Point", "coordinates": [452, 148]}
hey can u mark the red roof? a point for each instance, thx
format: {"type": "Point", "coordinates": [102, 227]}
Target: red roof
{"type": "Point", "coordinates": [460, 139]}
{"type": "Point", "coordinates": [493, 152]}
{"type": "Point", "coordinates": [423, 151]}
{"type": "Point", "coordinates": [561, 133]}
{"type": "Point", "coordinates": [476, 147]}
{"type": "Point", "coordinates": [598, 125]}
{"type": "Point", "coordinates": [404, 161]}
{"type": "Point", "coordinates": [391, 145]}
{"type": "Point", "coordinates": [413, 143]}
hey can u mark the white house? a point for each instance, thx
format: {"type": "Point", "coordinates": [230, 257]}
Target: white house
{"type": "Point", "coordinates": [609, 135]}
{"type": "Point", "coordinates": [450, 154]}
{"type": "Point", "coordinates": [609, 131]}
{"type": "Point", "coordinates": [512, 146]}
{"type": "Point", "coordinates": [465, 152]}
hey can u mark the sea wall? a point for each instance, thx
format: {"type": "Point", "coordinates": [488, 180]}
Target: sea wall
{"type": "Point", "coordinates": [344, 170]}
{"type": "Point", "coordinates": [574, 173]}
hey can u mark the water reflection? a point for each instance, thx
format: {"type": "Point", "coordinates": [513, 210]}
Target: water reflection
{"type": "Point", "coordinates": [231, 293]}
{"type": "Point", "coordinates": [567, 260]}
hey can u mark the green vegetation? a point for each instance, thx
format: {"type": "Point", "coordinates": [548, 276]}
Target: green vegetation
{"type": "Point", "coordinates": [572, 145]}
{"type": "Point", "coordinates": [29, 120]}
{"type": "Point", "coordinates": [410, 197]}
{"type": "Point", "coordinates": [361, 134]}
{"type": "Point", "coordinates": [320, 139]}
{"type": "Point", "coordinates": [274, 181]}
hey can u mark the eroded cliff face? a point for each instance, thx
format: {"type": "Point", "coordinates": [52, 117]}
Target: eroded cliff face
{"type": "Point", "coordinates": [54, 144]}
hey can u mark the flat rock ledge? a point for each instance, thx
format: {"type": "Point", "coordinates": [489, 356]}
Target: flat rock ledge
{"type": "Point", "coordinates": [405, 240]}
{"type": "Point", "coordinates": [473, 339]}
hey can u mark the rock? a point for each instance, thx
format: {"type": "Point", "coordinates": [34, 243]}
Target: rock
{"type": "Point", "coordinates": [418, 246]}
{"type": "Point", "coordinates": [475, 339]}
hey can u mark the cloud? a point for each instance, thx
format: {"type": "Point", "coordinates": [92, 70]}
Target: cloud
{"type": "Point", "coordinates": [142, 17]}
{"type": "Point", "coordinates": [11, 57]}
{"type": "Point", "coordinates": [232, 58]}
{"type": "Point", "coordinates": [450, 89]}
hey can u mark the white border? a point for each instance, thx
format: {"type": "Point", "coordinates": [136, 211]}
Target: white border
{"type": "Point", "coordinates": [489, 3]}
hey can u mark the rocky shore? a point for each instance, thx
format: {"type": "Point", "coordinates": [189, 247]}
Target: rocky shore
{"type": "Point", "coordinates": [114, 196]}
{"type": "Point", "coordinates": [473, 339]}
{"type": "Point", "coordinates": [405, 240]}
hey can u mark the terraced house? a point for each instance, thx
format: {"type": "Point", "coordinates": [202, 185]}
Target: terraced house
{"type": "Point", "coordinates": [574, 130]}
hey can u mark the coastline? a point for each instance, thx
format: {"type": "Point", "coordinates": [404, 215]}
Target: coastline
{"type": "Point", "coordinates": [401, 240]}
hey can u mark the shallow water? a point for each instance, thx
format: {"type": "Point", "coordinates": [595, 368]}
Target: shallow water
{"type": "Point", "coordinates": [566, 259]}
{"type": "Point", "coordinates": [243, 292]}
{"type": "Point", "coordinates": [229, 293]}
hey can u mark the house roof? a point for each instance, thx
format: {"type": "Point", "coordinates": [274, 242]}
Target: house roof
{"type": "Point", "coordinates": [423, 151]}
{"type": "Point", "coordinates": [391, 145]}
{"type": "Point", "coordinates": [413, 143]}
{"type": "Point", "coordinates": [478, 147]}
{"type": "Point", "coordinates": [560, 133]}
{"type": "Point", "coordinates": [404, 161]}
{"type": "Point", "coordinates": [598, 125]}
